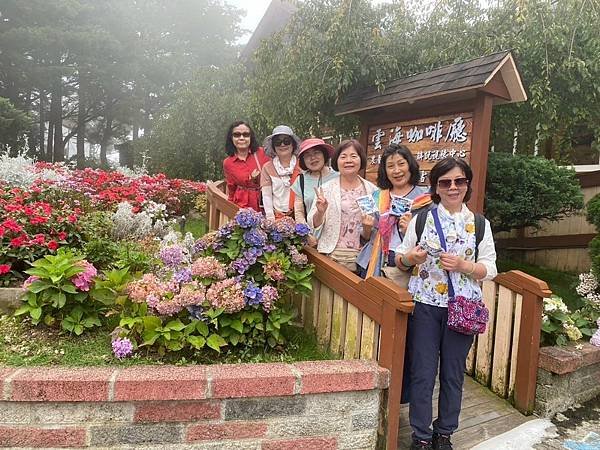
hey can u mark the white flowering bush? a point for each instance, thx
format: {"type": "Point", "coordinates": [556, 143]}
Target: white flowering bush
{"type": "Point", "coordinates": [20, 171]}
{"type": "Point", "coordinates": [559, 325]}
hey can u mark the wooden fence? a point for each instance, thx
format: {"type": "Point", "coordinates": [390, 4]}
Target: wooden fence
{"type": "Point", "coordinates": [561, 245]}
{"type": "Point", "coordinates": [356, 318]}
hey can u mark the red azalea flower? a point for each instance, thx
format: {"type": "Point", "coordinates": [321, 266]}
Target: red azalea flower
{"type": "Point", "coordinates": [62, 236]}
{"type": "Point", "coordinates": [52, 245]}
{"type": "Point", "coordinates": [39, 239]}
{"type": "Point", "coordinates": [36, 220]}
{"type": "Point", "coordinates": [4, 268]}
{"type": "Point", "coordinates": [19, 241]}
{"type": "Point", "coordinates": [72, 218]}
{"type": "Point", "coordinates": [2, 231]}
{"type": "Point", "coordinates": [12, 225]}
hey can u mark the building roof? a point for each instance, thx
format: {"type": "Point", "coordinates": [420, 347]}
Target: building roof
{"type": "Point", "coordinates": [275, 18]}
{"type": "Point", "coordinates": [471, 75]}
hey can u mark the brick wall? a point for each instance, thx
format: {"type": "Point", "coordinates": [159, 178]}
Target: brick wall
{"type": "Point", "coordinates": [310, 405]}
{"type": "Point", "coordinates": [566, 376]}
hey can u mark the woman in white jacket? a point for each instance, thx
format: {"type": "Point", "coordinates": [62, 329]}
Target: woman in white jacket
{"type": "Point", "coordinates": [335, 215]}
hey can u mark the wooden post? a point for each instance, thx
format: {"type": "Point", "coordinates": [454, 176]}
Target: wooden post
{"type": "Point", "coordinates": [482, 120]}
{"type": "Point", "coordinates": [528, 353]}
{"type": "Point", "coordinates": [393, 341]}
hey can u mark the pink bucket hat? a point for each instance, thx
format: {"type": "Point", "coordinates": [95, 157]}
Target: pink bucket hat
{"type": "Point", "coordinates": [315, 142]}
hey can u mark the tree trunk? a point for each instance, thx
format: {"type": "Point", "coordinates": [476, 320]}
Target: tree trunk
{"type": "Point", "coordinates": [147, 109]}
{"type": "Point", "coordinates": [42, 125]}
{"type": "Point", "coordinates": [136, 131]}
{"type": "Point", "coordinates": [56, 111]}
{"type": "Point", "coordinates": [106, 137]}
{"type": "Point", "coordinates": [50, 146]}
{"type": "Point", "coordinates": [81, 123]}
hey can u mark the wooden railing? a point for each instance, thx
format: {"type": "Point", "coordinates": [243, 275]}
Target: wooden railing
{"type": "Point", "coordinates": [356, 318]}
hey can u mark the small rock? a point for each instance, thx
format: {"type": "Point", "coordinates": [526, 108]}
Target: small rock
{"type": "Point", "coordinates": [561, 417]}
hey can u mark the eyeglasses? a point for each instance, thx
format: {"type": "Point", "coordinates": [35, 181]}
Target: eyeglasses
{"type": "Point", "coordinates": [458, 182]}
{"type": "Point", "coordinates": [237, 134]}
{"type": "Point", "coordinates": [284, 141]}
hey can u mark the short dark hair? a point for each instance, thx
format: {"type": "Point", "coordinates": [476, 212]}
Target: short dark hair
{"type": "Point", "coordinates": [383, 182]}
{"type": "Point", "coordinates": [229, 147]}
{"type": "Point", "coordinates": [443, 167]}
{"type": "Point", "coordinates": [323, 150]}
{"type": "Point", "coordinates": [347, 144]}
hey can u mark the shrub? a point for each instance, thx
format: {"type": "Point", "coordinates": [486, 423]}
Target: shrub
{"type": "Point", "coordinates": [223, 290]}
{"type": "Point", "coordinates": [65, 289]}
{"type": "Point", "coordinates": [525, 190]}
{"type": "Point", "coordinates": [559, 325]}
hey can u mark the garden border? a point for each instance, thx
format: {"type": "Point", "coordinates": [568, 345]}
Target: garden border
{"type": "Point", "coordinates": [246, 405]}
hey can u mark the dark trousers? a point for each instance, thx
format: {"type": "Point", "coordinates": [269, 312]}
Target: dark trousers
{"type": "Point", "coordinates": [430, 341]}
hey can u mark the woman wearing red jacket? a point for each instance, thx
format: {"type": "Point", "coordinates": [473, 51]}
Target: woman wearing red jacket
{"type": "Point", "coordinates": [243, 165]}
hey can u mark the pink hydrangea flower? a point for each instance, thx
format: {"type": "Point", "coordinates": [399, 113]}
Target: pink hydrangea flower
{"type": "Point", "coordinates": [208, 267]}
{"type": "Point", "coordinates": [227, 294]}
{"type": "Point", "coordinates": [269, 297]}
{"type": "Point", "coordinates": [84, 280]}
{"type": "Point", "coordinates": [29, 281]}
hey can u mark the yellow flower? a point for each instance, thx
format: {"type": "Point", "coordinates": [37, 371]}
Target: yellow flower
{"type": "Point", "coordinates": [442, 288]}
{"type": "Point", "coordinates": [470, 228]}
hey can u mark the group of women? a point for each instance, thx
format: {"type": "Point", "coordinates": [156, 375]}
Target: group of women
{"type": "Point", "coordinates": [432, 247]}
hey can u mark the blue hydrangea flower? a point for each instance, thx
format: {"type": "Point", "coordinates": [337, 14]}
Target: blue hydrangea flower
{"type": "Point", "coordinates": [225, 231]}
{"type": "Point", "coordinates": [247, 218]}
{"type": "Point", "coordinates": [240, 265]}
{"type": "Point", "coordinates": [255, 237]}
{"type": "Point", "coordinates": [302, 229]}
{"type": "Point", "coordinates": [252, 254]}
{"type": "Point", "coordinates": [253, 294]}
{"type": "Point", "coordinates": [196, 312]}
{"type": "Point", "coordinates": [276, 236]}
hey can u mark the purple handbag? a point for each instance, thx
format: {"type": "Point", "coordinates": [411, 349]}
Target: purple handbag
{"type": "Point", "coordinates": [465, 315]}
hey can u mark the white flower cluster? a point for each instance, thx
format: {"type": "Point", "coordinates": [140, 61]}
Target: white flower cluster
{"type": "Point", "coordinates": [19, 171]}
{"type": "Point", "coordinates": [155, 210]}
{"type": "Point", "coordinates": [572, 331]}
{"type": "Point", "coordinates": [174, 238]}
{"type": "Point", "coordinates": [588, 287]}
{"type": "Point", "coordinates": [555, 303]}
{"type": "Point", "coordinates": [136, 172]}
{"type": "Point", "coordinates": [129, 225]}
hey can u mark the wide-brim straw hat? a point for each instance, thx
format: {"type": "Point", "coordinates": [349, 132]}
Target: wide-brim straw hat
{"type": "Point", "coordinates": [281, 129]}
{"type": "Point", "coordinates": [307, 144]}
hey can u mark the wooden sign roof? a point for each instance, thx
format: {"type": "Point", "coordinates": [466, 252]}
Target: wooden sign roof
{"type": "Point", "coordinates": [496, 74]}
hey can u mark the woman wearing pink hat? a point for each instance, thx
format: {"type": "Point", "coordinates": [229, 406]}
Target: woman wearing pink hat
{"type": "Point", "coordinates": [313, 158]}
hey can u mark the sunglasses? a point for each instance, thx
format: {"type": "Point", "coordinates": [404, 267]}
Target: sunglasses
{"type": "Point", "coordinates": [458, 182]}
{"type": "Point", "coordinates": [284, 141]}
{"type": "Point", "coordinates": [237, 134]}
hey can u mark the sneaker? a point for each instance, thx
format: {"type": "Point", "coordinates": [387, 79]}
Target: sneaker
{"type": "Point", "coordinates": [441, 442]}
{"type": "Point", "coordinates": [421, 445]}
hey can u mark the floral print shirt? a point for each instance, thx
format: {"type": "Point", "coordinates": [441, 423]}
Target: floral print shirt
{"type": "Point", "coordinates": [351, 218]}
{"type": "Point", "coordinates": [429, 281]}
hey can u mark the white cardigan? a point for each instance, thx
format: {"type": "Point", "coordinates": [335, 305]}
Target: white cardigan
{"type": "Point", "coordinates": [329, 231]}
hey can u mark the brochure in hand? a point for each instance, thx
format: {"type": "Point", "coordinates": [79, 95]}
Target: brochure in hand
{"type": "Point", "coordinates": [366, 203]}
{"type": "Point", "coordinates": [400, 206]}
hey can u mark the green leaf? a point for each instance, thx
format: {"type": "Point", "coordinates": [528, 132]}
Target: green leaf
{"type": "Point", "coordinates": [197, 342]}
{"type": "Point", "coordinates": [150, 337]}
{"type": "Point", "coordinates": [36, 313]}
{"type": "Point", "coordinates": [59, 300]}
{"type": "Point", "coordinates": [202, 328]}
{"type": "Point", "coordinates": [215, 342]}
{"type": "Point", "coordinates": [38, 286]}
{"type": "Point", "coordinates": [151, 322]}
{"type": "Point", "coordinates": [176, 325]}
{"type": "Point", "coordinates": [22, 310]}
{"type": "Point", "coordinates": [237, 325]}
{"type": "Point", "coordinates": [234, 339]}
{"type": "Point", "coordinates": [78, 329]}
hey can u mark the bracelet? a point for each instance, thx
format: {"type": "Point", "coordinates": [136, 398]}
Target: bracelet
{"type": "Point", "coordinates": [472, 270]}
{"type": "Point", "coordinates": [404, 263]}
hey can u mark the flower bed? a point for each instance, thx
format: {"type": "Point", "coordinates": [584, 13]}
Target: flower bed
{"type": "Point", "coordinates": [312, 405]}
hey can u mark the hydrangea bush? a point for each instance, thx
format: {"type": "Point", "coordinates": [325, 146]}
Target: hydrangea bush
{"type": "Point", "coordinates": [559, 325]}
{"type": "Point", "coordinates": [223, 290]}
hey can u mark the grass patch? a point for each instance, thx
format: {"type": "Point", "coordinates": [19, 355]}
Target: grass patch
{"type": "Point", "coordinates": [561, 283]}
{"type": "Point", "coordinates": [197, 226]}
{"type": "Point", "coordinates": [22, 345]}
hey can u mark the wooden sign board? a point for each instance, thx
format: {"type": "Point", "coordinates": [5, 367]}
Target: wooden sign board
{"type": "Point", "coordinates": [430, 140]}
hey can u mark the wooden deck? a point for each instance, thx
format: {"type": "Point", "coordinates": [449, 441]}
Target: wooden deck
{"type": "Point", "coordinates": [483, 416]}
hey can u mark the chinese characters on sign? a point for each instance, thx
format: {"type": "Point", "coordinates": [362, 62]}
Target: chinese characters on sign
{"type": "Point", "coordinates": [430, 140]}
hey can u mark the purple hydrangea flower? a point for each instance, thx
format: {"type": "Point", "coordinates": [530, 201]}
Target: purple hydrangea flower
{"type": "Point", "coordinates": [172, 255]}
{"type": "Point", "coordinates": [255, 237]}
{"type": "Point", "coordinates": [122, 347]}
{"type": "Point", "coordinates": [240, 266]}
{"type": "Point", "coordinates": [247, 218]}
{"type": "Point", "coordinates": [225, 231]}
{"type": "Point", "coordinates": [270, 248]}
{"type": "Point", "coordinates": [182, 276]}
{"type": "Point", "coordinates": [252, 254]}
{"type": "Point", "coordinates": [253, 294]}
{"type": "Point", "coordinates": [302, 229]}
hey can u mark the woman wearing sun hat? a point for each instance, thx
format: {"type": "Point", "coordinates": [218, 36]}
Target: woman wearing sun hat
{"type": "Point", "coordinates": [313, 159]}
{"type": "Point", "coordinates": [277, 175]}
